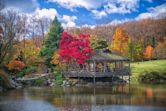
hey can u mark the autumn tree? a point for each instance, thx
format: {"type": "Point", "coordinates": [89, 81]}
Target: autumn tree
{"type": "Point", "coordinates": [43, 24]}
{"type": "Point", "coordinates": [97, 43]}
{"type": "Point", "coordinates": [148, 53]}
{"type": "Point", "coordinates": [75, 49]}
{"type": "Point", "coordinates": [51, 44]}
{"type": "Point", "coordinates": [38, 27]}
{"type": "Point", "coordinates": [135, 49]}
{"type": "Point", "coordinates": [11, 30]}
{"type": "Point", "coordinates": [131, 49]}
{"type": "Point", "coordinates": [28, 50]}
{"type": "Point", "coordinates": [4, 79]}
{"type": "Point", "coordinates": [56, 58]}
{"type": "Point", "coordinates": [150, 41]}
{"type": "Point", "coordinates": [120, 42]}
{"type": "Point", "coordinates": [16, 65]}
{"type": "Point", "coordinates": [160, 50]}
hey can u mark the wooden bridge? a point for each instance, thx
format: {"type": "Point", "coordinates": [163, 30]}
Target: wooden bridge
{"type": "Point", "coordinates": [34, 77]}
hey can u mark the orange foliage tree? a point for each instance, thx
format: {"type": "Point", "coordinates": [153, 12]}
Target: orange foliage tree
{"type": "Point", "coordinates": [148, 53]}
{"type": "Point", "coordinates": [120, 42]}
{"type": "Point", "coordinates": [16, 65]}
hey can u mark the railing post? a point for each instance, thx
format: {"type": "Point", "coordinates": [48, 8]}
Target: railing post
{"type": "Point", "coordinates": [104, 67]}
{"type": "Point", "coordinates": [129, 72]}
{"type": "Point", "coordinates": [94, 66]}
{"type": "Point", "coordinates": [94, 76]}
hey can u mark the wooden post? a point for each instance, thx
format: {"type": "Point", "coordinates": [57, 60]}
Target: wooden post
{"type": "Point", "coordinates": [94, 76]}
{"type": "Point", "coordinates": [129, 72]}
{"type": "Point", "coordinates": [94, 80]}
{"type": "Point", "coordinates": [115, 66]}
{"type": "Point", "coordinates": [129, 68]}
{"type": "Point", "coordinates": [104, 67]}
{"type": "Point", "coordinates": [94, 67]}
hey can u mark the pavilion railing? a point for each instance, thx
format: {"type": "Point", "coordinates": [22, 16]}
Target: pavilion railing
{"type": "Point", "coordinates": [85, 73]}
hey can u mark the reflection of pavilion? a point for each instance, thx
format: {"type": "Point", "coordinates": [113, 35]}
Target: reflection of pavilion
{"type": "Point", "coordinates": [76, 99]}
{"type": "Point", "coordinates": [101, 64]}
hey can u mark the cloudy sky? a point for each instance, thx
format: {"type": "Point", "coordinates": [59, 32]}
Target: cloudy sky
{"type": "Point", "coordinates": [73, 13]}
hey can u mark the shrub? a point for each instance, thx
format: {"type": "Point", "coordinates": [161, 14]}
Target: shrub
{"type": "Point", "coordinates": [153, 77]}
{"type": "Point", "coordinates": [58, 78]}
{"type": "Point", "coordinates": [38, 82]}
{"type": "Point", "coordinates": [16, 65]}
{"type": "Point", "coordinates": [27, 70]}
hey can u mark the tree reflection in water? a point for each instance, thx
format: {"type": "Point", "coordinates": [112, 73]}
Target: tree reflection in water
{"type": "Point", "coordinates": [92, 98]}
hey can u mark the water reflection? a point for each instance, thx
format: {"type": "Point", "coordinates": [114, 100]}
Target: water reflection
{"type": "Point", "coordinates": [85, 98]}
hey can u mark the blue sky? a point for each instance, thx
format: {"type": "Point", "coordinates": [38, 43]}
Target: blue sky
{"type": "Point", "coordinates": [76, 13]}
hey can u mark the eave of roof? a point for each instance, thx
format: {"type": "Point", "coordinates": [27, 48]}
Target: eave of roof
{"type": "Point", "coordinates": [101, 56]}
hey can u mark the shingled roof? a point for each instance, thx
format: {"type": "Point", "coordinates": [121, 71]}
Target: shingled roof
{"type": "Point", "coordinates": [100, 55]}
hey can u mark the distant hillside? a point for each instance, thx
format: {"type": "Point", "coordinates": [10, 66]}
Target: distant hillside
{"type": "Point", "coordinates": [136, 29]}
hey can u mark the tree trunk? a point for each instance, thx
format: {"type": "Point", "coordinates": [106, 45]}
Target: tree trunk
{"type": "Point", "coordinates": [5, 81]}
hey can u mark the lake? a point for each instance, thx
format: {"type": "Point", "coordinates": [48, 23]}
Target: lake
{"type": "Point", "coordinates": [99, 98]}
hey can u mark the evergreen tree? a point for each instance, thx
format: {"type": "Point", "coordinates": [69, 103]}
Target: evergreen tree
{"type": "Point", "coordinates": [51, 43]}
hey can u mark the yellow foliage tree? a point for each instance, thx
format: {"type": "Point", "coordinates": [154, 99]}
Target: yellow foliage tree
{"type": "Point", "coordinates": [56, 61]}
{"type": "Point", "coordinates": [120, 42]}
{"type": "Point", "coordinates": [30, 51]}
{"type": "Point", "coordinates": [93, 42]}
{"type": "Point", "coordinates": [56, 58]}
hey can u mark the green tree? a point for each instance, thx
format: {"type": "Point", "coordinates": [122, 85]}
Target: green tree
{"type": "Point", "coordinates": [131, 49]}
{"type": "Point", "coordinates": [96, 43]}
{"type": "Point", "coordinates": [51, 43]}
{"type": "Point", "coordinates": [135, 49]}
{"type": "Point", "coordinates": [150, 41]}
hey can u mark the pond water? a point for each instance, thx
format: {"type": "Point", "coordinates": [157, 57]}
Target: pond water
{"type": "Point", "coordinates": [101, 98]}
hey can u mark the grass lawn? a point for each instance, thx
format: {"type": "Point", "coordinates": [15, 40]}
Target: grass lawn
{"type": "Point", "coordinates": [138, 68]}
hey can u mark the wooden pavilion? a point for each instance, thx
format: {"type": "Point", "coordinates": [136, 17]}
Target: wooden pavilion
{"type": "Point", "coordinates": [101, 64]}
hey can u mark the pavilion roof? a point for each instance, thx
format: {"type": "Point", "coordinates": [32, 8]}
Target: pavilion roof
{"type": "Point", "coordinates": [100, 55]}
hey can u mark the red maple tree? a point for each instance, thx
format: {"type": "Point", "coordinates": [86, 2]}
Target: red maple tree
{"type": "Point", "coordinates": [75, 48]}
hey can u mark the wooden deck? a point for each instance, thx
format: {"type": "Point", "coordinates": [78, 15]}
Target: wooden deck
{"type": "Point", "coordinates": [122, 72]}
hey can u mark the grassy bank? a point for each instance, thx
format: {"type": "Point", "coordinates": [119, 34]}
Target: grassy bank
{"type": "Point", "coordinates": [139, 68]}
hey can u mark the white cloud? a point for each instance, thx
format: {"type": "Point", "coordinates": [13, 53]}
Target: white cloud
{"type": "Point", "coordinates": [99, 14]}
{"type": "Point", "coordinates": [49, 13]}
{"type": "Point", "coordinates": [68, 21]}
{"type": "Point", "coordinates": [116, 22]}
{"type": "Point", "coordinates": [70, 4]}
{"type": "Point", "coordinates": [90, 26]}
{"type": "Point", "coordinates": [118, 6]}
{"type": "Point", "coordinates": [106, 6]}
{"type": "Point", "coordinates": [154, 12]}
{"type": "Point", "coordinates": [25, 6]}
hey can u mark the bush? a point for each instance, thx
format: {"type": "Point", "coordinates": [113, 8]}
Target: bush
{"type": "Point", "coordinates": [58, 78]}
{"type": "Point", "coordinates": [153, 77]}
{"type": "Point", "coordinates": [27, 70]}
{"type": "Point", "coordinates": [38, 82]}
{"type": "Point", "coordinates": [16, 66]}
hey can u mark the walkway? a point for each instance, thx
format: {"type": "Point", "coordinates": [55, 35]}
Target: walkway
{"type": "Point", "coordinates": [35, 77]}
